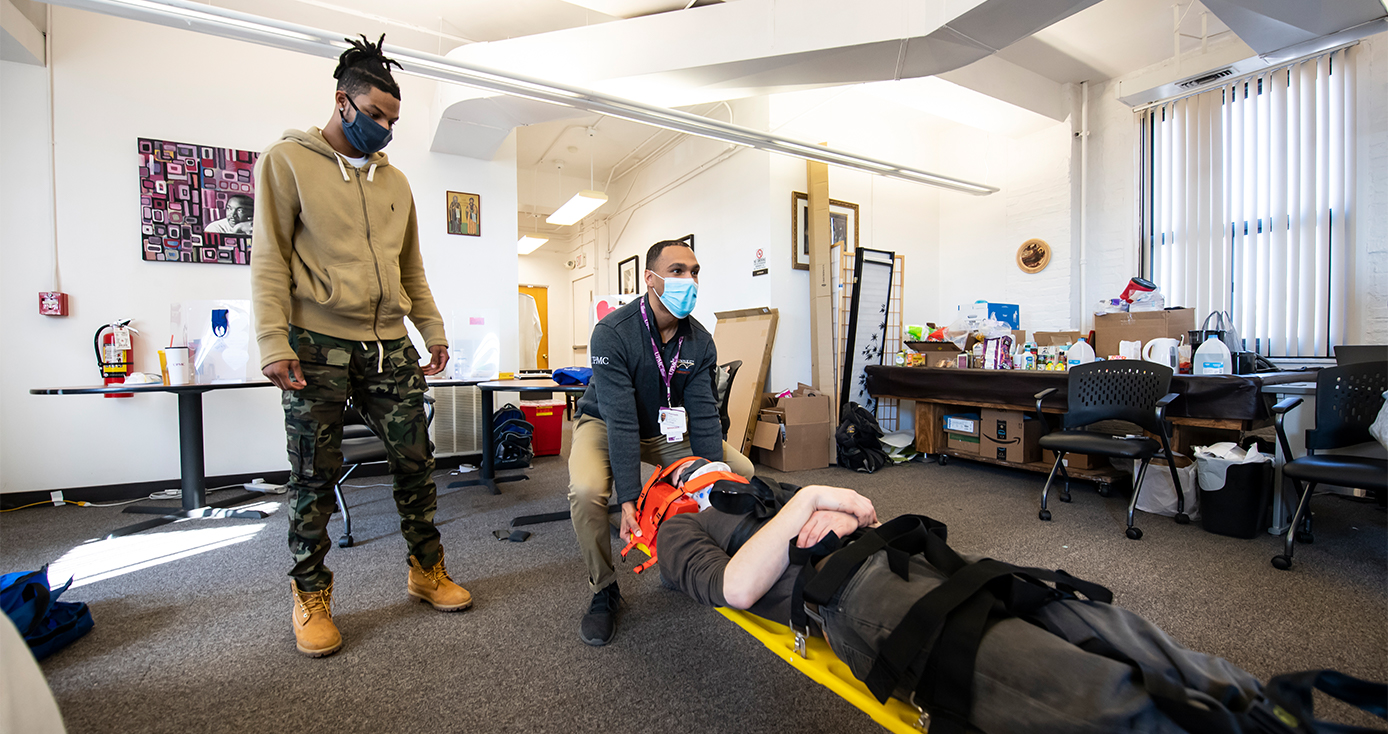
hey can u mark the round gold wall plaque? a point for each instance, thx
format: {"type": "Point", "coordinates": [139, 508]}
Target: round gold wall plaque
{"type": "Point", "coordinates": [1033, 256]}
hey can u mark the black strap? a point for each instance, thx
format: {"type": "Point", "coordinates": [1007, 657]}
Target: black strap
{"type": "Point", "coordinates": [806, 558]}
{"type": "Point", "coordinates": [1290, 695]}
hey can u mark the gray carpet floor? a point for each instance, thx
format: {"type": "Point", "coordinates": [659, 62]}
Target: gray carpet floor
{"type": "Point", "coordinates": [193, 632]}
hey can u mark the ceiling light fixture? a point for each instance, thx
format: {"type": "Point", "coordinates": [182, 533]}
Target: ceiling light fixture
{"type": "Point", "coordinates": [216, 21]}
{"type": "Point", "coordinates": [529, 243]}
{"type": "Point", "coordinates": [581, 205]}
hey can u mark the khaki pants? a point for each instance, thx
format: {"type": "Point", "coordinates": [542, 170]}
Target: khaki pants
{"type": "Point", "coordinates": [590, 487]}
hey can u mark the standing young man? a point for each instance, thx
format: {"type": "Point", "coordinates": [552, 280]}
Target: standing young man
{"type": "Point", "coordinates": [335, 269]}
{"type": "Point", "coordinates": [651, 399]}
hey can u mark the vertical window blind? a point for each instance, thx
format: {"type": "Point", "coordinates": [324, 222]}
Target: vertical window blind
{"type": "Point", "coordinates": [1246, 206]}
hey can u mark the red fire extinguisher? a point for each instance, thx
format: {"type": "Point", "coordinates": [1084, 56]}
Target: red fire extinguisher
{"type": "Point", "coordinates": [114, 344]}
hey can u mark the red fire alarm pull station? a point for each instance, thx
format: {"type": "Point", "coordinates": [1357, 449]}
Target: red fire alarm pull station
{"type": "Point", "coordinates": [53, 303]}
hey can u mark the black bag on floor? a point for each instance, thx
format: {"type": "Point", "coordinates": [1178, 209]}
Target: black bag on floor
{"type": "Point", "coordinates": [513, 436]}
{"type": "Point", "coordinates": [857, 437]}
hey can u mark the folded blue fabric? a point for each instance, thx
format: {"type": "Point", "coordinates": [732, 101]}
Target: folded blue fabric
{"type": "Point", "coordinates": [573, 375]}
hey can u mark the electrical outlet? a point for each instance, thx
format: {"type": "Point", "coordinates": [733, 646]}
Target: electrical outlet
{"type": "Point", "coordinates": [57, 498]}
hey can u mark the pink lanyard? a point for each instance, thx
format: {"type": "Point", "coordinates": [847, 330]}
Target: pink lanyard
{"type": "Point", "coordinates": [666, 377]}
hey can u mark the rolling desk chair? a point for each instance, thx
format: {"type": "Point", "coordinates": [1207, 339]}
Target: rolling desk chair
{"type": "Point", "coordinates": [1125, 390]}
{"type": "Point", "coordinates": [1348, 399]}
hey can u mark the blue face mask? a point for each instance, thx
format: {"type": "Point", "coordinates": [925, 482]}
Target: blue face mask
{"type": "Point", "coordinates": [679, 296]}
{"type": "Point", "coordinates": [364, 133]}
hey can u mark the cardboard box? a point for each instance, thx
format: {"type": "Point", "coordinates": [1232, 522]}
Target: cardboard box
{"type": "Point", "coordinates": [1143, 326]}
{"type": "Point", "coordinates": [1075, 461]}
{"type": "Point", "coordinates": [964, 424]}
{"type": "Point", "coordinates": [1055, 338]}
{"type": "Point", "coordinates": [794, 433]}
{"type": "Point", "coordinates": [1008, 313]}
{"type": "Point", "coordinates": [962, 444]}
{"type": "Point", "coordinates": [1010, 435]}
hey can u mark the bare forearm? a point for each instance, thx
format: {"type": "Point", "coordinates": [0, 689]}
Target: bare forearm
{"type": "Point", "coordinates": [764, 557]}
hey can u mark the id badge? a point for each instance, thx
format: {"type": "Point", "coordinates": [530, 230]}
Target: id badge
{"type": "Point", "coordinates": [673, 422]}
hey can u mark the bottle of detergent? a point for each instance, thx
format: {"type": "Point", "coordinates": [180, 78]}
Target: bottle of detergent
{"type": "Point", "coordinates": [1079, 353]}
{"type": "Point", "coordinates": [1212, 358]}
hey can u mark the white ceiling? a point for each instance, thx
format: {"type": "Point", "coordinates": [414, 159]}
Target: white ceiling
{"type": "Point", "coordinates": [1110, 39]}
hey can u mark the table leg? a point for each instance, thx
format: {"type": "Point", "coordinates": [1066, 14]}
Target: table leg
{"type": "Point", "coordinates": [487, 471]}
{"type": "Point", "coordinates": [190, 450]}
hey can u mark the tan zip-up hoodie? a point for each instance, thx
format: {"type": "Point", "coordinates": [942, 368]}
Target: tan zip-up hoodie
{"type": "Point", "coordinates": [335, 249]}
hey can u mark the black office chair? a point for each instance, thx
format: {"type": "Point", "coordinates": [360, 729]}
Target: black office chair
{"type": "Point", "coordinates": [361, 445]}
{"type": "Point", "coordinates": [1348, 399]}
{"type": "Point", "coordinates": [1123, 390]}
{"type": "Point", "coordinates": [723, 390]}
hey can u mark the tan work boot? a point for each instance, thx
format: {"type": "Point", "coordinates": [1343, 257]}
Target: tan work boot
{"type": "Point", "coordinates": [432, 585]}
{"type": "Point", "coordinates": [314, 632]}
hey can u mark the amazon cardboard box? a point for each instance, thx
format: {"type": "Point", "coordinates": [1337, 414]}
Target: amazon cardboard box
{"type": "Point", "coordinates": [1009, 435]}
{"type": "Point", "coordinates": [793, 433]}
{"type": "Point", "coordinates": [1143, 326]}
{"type": "Point", "coordinates": [961, 432]}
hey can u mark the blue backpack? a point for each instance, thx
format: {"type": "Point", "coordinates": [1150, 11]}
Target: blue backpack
{"type": "Point", "coordinates": [48, 625]}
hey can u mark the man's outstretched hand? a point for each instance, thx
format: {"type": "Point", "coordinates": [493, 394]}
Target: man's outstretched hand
{"type": "Point", "coordinates": [630, 525]}
{"type": "Point", "coordinates": [438, 359]}
{"type": "Point", "coordinates": [286, 374]}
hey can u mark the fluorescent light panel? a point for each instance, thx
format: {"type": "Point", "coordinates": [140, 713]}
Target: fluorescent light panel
{"type": "Point", "coordinates": [581, 205]}
{"type": "Point", "coordinates": [189, 15]}
{"type": "Point", "coordinates": [528, 244]}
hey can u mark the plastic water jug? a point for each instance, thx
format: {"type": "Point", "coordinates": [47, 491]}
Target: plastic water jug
{"type": "Point", "coordinates": [1212, 358]}
{"type": "Point", "coordinates": [1080, 353]}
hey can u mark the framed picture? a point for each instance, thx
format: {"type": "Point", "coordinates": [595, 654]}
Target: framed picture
{"type": "Point", "coordinates": [843, 227]}
{"type": "Point", "coordinates": [629, 275]}
{"type": "Point", "coordinates": [197, 202]}
{"type": "Point", "coordinates": [464, 214]}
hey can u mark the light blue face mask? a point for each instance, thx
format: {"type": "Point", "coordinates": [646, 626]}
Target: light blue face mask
{"type": "Point", "coordinates": [679, 296]}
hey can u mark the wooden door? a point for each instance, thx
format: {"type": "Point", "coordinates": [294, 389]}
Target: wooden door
{"type": "Point", "coordinates": [541, 295]}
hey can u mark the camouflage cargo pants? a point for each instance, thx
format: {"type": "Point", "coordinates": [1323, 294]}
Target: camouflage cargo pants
{"type": "Point", "coordinates": [385, 383]}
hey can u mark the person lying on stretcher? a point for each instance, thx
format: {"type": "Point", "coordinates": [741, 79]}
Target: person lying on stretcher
{"type": "Point", "coordinates": [1041, 659]}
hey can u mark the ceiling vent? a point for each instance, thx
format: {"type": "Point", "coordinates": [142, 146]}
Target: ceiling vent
{"type": "Point", "coordinates": [1204, 79]}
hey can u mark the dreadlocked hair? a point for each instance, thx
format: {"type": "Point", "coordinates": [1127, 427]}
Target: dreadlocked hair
{"type": "Point", "coordinates": [363, 67]}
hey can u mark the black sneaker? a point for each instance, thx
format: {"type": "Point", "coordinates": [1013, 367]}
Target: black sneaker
{"type": "Point", "coordinates": [600, 623]}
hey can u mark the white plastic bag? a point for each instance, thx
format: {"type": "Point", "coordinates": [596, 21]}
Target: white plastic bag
{"type": "Point", "coordinates": [218, 337]}
{"type": "Point", "coordinates": [1379, 429]}
{"type": "Point", "coordinates": [1158, 494]}
{"type": "Point", "coordinates": [1212, 462]}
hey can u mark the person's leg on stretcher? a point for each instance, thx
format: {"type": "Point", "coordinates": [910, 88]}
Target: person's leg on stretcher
{"type": "Point", "coordinates": [1052, 662]}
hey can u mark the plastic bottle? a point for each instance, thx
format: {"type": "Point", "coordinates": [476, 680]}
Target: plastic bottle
{"type": "Point", "coordinates": [1212, 358]}
{"type": "Point", "coordinates": [1080, 353]}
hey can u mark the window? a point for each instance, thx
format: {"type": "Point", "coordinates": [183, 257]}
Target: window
{"type": "Point", "coordinates": [1246, 196]}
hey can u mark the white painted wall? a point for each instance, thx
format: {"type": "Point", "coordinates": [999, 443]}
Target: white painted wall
{"type": "Point", "coordinates": [115, 82]}
{"type": "Point", "coordinates": [979, 236]}
{"type": "Point", "coordinates": [1368, 311]}
{"type": "Point", "coordinates": [699, 187]}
